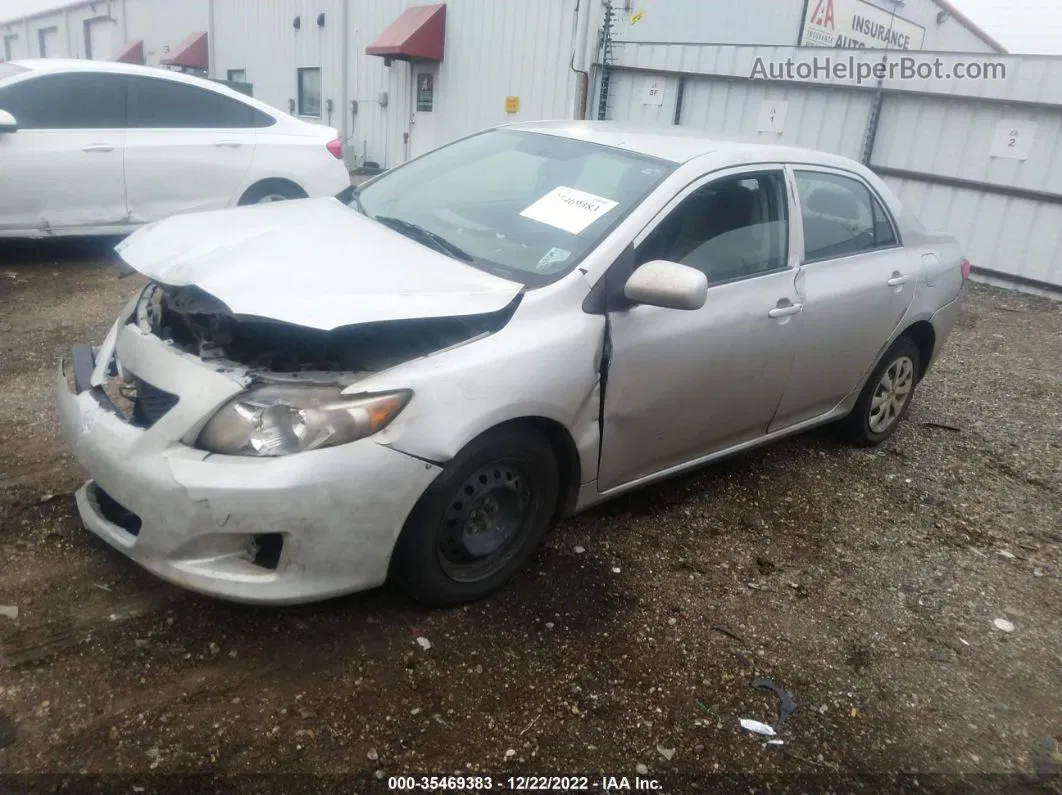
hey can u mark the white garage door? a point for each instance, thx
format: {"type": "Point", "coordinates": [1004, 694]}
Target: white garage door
{"type": "Point", "coordinates": [99, 39]}
{"type": "Point", "coordinates": [48, 43]}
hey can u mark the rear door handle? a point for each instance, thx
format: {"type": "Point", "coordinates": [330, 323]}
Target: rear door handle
{"type": "Point", "coordinates": [785, 311]}
{"type": "Point", "coordinates": [97, 148]}
{"type": "Point", "coordinates": [898, 279]}
{"type": "Point", "coordinates": [229, 144]}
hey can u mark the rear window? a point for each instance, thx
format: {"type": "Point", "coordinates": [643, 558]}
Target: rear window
{"type": "Point", "coordinates": [168, 104]}
{"type": "Point", "coordinates": [10, 70]}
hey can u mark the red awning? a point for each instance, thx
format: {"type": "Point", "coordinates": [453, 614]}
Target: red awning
{"type": "Point", "coordinates": [192, 53]}
{"type": "Point", "coordinates": [132, 53]}
{"type": "Point", "coordinates": [419, 34]}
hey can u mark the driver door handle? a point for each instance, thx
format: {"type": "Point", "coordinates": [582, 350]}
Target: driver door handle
{"type": "Point", "coordinates": [97, 148]}
{"type": "Point", "coordinates": [898, 279]}
{"type": "Point", "coordinates": [229, 144]}
{"type": "Point", "coordinates": [785, 311]}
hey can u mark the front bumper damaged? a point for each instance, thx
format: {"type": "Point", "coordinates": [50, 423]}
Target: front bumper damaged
{"type": "Point", "coordinates": [284, 530]}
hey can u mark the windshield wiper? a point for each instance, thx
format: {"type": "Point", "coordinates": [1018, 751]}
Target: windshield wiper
{"type": "Point", "coordinates": [425, 236]}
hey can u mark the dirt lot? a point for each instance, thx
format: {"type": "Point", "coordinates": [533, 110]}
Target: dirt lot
{"type": "Point", "coordinates": [865, 583]}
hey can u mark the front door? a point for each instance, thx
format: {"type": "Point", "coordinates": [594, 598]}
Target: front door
{"type": "Point", "coordinates": [859, 284]}
{"type": "Point", "coordinates": [189, 149]}
{"type": "Point", "coordinates": [682, 385]}
{"type": "Point", "coordinates": [62, 169]}
{"type": "Point", "coordinates": [422, 133]}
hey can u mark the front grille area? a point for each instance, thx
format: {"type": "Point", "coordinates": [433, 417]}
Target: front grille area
{"type": "Point", "coordinates": [151, 404]}
{"type": "Point", "coordinates": [114, 512]}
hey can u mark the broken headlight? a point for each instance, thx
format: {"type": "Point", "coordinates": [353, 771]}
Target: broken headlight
{"type": "Point", "coordinates": [281, 420]}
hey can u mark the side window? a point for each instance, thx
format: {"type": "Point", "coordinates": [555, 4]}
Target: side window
{"type": "Point", "coordinates": [167, 104]}
{"type": "Point", "coordinates": [68, 102]}
{"type": "Point", "coordinates": [310, 92]}
{"type": "Point", "coordinates": [841, 217]}
{"type": "Point", "coordinates": [732, 228]}
{"type": "Point", "coordinates": [884, 235]}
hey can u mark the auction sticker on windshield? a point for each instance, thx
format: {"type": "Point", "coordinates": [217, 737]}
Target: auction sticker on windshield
{"type": "Point", "coordinates": [568, 209]}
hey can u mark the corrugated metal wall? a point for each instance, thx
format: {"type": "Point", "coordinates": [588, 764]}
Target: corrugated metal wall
{"type": "Point", "coordinates": [766, 22]}
{"type": "Point", "coordinates": [710, 21]}
{"type": "Point", "coordinates": [487, 59]}
{"type": "Point", "coordinates": [933, 141]}
{"type": "Point", "coordinates": [261, 38]}
{"type": "Point", "coordinates": [952, 137]}
{"type": "Point", "coordinates": [494, 50]}
{"type": "Point", "coordinates": [163, 23]}
{"type": "Point", "coordinates": [1012, 236]}
{"type": "Point", "coordinates": [159, 23]}
{"type": "Point", "coordinates": [814, 117]}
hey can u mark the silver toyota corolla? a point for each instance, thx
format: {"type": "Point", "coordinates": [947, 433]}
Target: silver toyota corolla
{"type": "Point", "coordinates": [413, 380]}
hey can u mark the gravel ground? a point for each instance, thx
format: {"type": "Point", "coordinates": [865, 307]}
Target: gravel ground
{"type": "Point", "coordinates": [867, 584]}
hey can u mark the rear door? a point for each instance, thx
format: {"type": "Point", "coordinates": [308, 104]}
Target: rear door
{"type": "Point", "coordinates": [62, 169]}
{"type": "Point", "coordinates": [188, 149]}
{"type": "Point", "coordinates": [858, 283]}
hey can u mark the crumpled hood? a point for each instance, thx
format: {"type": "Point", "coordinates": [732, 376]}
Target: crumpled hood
{"type": "Point", "coordinates": [311, 262]}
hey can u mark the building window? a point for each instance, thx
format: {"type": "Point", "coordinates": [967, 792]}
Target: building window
{"type": "Point", "coordinates": [310, 92]}
{"type": "Point", "coordinates": [9, 47]}
{"type": "Point", "coordinates": [237, 76]}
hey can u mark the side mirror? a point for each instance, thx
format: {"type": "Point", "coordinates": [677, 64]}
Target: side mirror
{"type": "Point", "coordinates": [8, 124]}
{"type": "Point", "coordinates": [668, 285]}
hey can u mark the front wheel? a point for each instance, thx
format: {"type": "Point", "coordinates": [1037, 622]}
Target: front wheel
{"type": "Point", "coordinates": [886, 396]}
{"type": "Point", "coordinates": [271, 190]}
{"type": "Point", "coordinates": [480, 520]}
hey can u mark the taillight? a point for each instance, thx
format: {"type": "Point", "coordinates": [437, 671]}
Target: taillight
{"type": "Point", "coordinates": [335, 146]}
{"type": "Point", "coordinates": [965, 265]}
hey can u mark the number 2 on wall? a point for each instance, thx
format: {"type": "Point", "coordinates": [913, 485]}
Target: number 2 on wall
{"type": "Point", "coordinates": [1012, 138]}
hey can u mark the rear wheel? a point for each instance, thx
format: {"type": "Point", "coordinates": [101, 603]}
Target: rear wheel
{"type": "Point", "coordinates": [886, 396]}
{"type": "Point", "coordinates": [272, 190]}
{"type": "Point", "coordinates": [480, 520]}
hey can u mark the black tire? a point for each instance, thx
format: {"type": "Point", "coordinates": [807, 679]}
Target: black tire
{"type": "Point", "coordinates": [279, 188]}
{"type": "Point", "coordinates": [501, 489]}
{"type": "Point", "coordinates": [862, 426]}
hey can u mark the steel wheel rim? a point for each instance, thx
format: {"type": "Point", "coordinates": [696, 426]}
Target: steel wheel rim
{"type": "Point", "coordinates": [272, 197]}
{"type": "Point", "coordinates": [484, 522]}
{"type": "Point", "coordinates": [891, 394]}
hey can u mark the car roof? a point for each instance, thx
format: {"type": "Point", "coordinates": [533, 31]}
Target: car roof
{"type": "Point", "coordinates": [86, 65]}
{"type": "Point", "coordinates": [70, 65]}
{"type": "Point", "coordinates": [110, 67]}
{"type": "Point", "coordinates": [679, 144]}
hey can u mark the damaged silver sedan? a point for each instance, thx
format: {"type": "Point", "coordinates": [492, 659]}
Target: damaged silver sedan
{"type": "Point", "coordinates": [414, 380]}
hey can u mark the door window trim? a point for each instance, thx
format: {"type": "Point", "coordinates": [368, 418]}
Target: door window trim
{"type": "Point", "coordinates": [793, 167]}
{"type": "Point", "coordinates": [796, 247]}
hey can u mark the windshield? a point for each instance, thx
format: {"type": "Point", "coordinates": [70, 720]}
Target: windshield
{"type": "Point", "coordinates": [525, 206]}
{"type": "Point", "coordinates": [10, 70]}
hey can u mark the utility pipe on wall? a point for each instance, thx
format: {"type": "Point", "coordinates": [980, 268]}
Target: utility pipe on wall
{"type": "Point", "coordinates": [344, 84]}
{"type": "Point", "coordinates": [579, 56]}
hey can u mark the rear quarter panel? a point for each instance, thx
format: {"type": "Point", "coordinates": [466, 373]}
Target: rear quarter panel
{"type": "Point", "coordinates": [296, 152]}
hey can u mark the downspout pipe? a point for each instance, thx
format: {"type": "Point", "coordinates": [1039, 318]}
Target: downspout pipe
{"type": "Point", "coordinates": [579, 56]}
{"type": "Point", "coordinates": [346, 133]}
{"type": "Point", "coordinates": [212, 65]}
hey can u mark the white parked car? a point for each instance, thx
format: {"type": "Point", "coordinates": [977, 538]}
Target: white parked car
{"type": "Point", "coordinates": [92, 148]}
